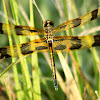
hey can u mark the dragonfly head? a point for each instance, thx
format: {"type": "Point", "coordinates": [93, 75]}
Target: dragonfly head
{"type": "Point", "coordinates": [48, 23]}
{"type": "Point", "coordinates": [48, 26]}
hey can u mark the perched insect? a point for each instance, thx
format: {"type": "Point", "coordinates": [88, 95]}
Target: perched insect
{"type": "Point", "coordinates": [50, 42]}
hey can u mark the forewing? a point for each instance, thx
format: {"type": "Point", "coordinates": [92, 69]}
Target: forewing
{"type": "Point", "coordinates": [19, 30]}
{"type": "Point", "coordinates": [78, 21]}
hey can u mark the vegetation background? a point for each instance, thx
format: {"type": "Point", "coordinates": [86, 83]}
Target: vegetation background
{"type": "Point", "coordinates": [32, 78]}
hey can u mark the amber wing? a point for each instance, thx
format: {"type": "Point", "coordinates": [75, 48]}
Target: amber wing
{"type": "Point", "coordinates": [66, 43]}
{"type": "Point", "coordinates": [19, 30]}
{"type": "Point", "coordinates": [27, 48]}
{"type": "Point", "coordinates": [78, 21]}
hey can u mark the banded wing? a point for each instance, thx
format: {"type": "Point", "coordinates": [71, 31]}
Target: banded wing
{"type": "Point", "coordinates": [20, 30]}
{"type": "Point", "coordinates": [39, 45]}
{"type": "Point", "coordinates": [78, 21]}
{"type": "Point", "coordinates": [66, 43]}
{"type": "Point", "coordinates": [63, 43]}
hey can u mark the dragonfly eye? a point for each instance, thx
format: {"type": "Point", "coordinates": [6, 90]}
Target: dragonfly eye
{"type": "Point", "coordinates": [45, 24]}
{"type": "Point", "coordinates": [51, 23]}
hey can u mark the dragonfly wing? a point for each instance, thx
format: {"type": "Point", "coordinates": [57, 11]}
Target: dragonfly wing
{"type": "Point", "coordinates": [66, 43]}
{"type": "Point", "coordinates": [19, 30]}
{"type": "Point", "coordinates": [78, 21]}
{"type": "Point", "coordinates": [27, 48]}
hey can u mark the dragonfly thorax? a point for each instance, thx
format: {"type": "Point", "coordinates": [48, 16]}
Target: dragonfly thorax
{"type": "Point", "coordinates": [48, 26]}
{"type": "Point", "coordinates": [49, 38]}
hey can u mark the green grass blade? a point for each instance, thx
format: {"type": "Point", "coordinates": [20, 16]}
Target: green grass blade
{"type": "Point", "coordinates": [35, 71]}
{"type": "Point", "coordinates": [14, 68]}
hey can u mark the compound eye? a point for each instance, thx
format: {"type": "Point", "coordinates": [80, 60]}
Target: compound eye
{"type": "Point", "coordinates": [45, 24]}
{"type": "Point", "coordinates": [51, 23]}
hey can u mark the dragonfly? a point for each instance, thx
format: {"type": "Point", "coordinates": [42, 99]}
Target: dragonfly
{"type": "Point", "coordinates": [50, 42]}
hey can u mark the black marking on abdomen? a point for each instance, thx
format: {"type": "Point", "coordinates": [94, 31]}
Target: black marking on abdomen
{"type": "Point", "coordinates": [3, 53]}
{"type": "Point", "coordinates": [60, 47]}
{"type": "Point", "coordinates": [76, 22]}
{"type": "Point", "coordinates": [94, 14]}
{"type": "Point", "coordinates": [97, 40]}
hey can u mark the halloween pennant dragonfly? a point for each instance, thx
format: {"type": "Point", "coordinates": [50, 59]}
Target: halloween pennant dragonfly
{"type": "Point", "coordinates": [50, 42]}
